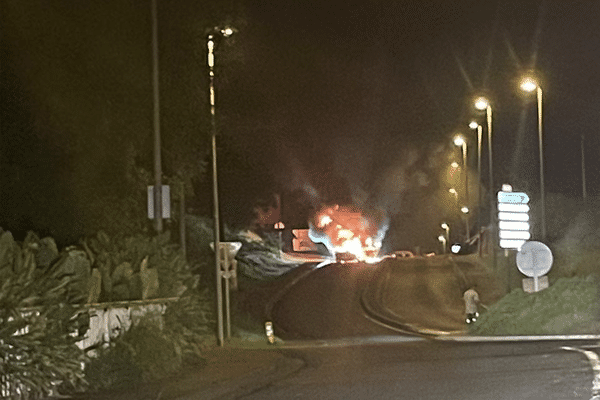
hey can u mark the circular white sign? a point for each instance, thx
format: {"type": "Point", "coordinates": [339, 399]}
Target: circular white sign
{"type": "Point", "coordinates": [534, 259]}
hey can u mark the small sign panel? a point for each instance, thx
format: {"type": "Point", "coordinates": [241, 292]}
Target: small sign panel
{"type": "Point", "coordinates": [166, 201]}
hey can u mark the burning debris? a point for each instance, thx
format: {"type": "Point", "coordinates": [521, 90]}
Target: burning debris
{"type": "Point", "coordinates": [349, 233]}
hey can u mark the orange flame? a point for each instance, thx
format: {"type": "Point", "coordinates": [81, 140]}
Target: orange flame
{"type": "Point", "coordinates": [347, 230]}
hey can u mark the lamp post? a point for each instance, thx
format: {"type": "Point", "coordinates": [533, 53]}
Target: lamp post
{"type": "Point", "coordinates": [157, 193]}
{"type": "Point", "coordinates": [455, 193]}
{"type": "Point", "coordinates": [482, 104]}
{"type": "Point", "coordinates": [529, 84]}
{"type": "Point", "coordinates": [476, 126]}
{"type": "Point", "coordinates": [446, 228]}
{"type": "Point", "coordinates": [460, 141]}
{"type": "Point", "coordinates": [465, 210]}
{"type": "Point", "coordinates": [442, 240]}
{"type": "Point", "coordinates": [210, 43]}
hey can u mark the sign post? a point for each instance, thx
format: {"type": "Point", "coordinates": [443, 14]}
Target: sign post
{"type": "Point", "coordinates": [227, 270]}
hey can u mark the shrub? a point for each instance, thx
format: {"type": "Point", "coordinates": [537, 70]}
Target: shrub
{"type": "Point", "coordinates": [38, 327]}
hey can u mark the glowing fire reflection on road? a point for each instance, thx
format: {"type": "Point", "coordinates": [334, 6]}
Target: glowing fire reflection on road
{"type": "Point", "coordinates": [346, 230]}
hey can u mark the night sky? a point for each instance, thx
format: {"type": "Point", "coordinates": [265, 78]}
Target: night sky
{"type": "Point", "coordinates": [345, 101]}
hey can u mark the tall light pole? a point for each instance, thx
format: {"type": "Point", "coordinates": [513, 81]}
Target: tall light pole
{"type": "Point", "coordinates": [465, 210]}
{"type": "Point", "coordinates": [446, 228]}
{"type": "Point", "coordinates": [529, 84]}
{"type": "Point", "coordinates": [460, 141]}
{"type": "Point", "coordinates": [157, 194]}
{"type": "Point", "coordinates": [442, 240]}
{"type": "Point", "coordinates": [455, 193]}
{"type": "Point", "coordinates": [476, 126]}
{"type": "Point", "coordinates": [482, 104]}
{"type": "Point", "coordinates": [210, 43]}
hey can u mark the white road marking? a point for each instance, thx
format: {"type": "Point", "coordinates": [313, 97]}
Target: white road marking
{"type": "Point", "coordinates": [595, 362]}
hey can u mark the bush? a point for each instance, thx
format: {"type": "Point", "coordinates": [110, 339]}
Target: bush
{"type": "Point", "coordinates": [113, 368]}
{"type": "Point", "coordinates": [38, 326]}
{"type": "Point", "coordinates": [155, 348]}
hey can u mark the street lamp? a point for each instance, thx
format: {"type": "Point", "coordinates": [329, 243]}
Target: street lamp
{"type": "Point", "coordinates": [465, 210]}
{"type": "Point", "coordinates": [482, 104]}
{"type": "Point", "coordinates": [447, 229]}
{"type": "Point", "coordinates": [211, 37]}
{"type": "Point", "coordinates": [442, 239]}
{"type": "Point", "coordinates": [529, 84]}
{"type": "Point", "coordinates": [460, 141]}
{"type": "Point", "coordinates": [454, 192]}
{"type": "Point", "coordinates": [476, 126]}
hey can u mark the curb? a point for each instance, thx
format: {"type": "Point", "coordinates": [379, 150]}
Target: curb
{"type": "Point", "coordinates": [522, 338]}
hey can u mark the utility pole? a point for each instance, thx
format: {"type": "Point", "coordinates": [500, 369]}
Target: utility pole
{"type": "Point", "coordinates": [158, 208]}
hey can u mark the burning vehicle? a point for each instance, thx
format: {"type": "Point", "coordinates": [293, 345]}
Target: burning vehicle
{"type": "Point", "coordinates": [349, 233]}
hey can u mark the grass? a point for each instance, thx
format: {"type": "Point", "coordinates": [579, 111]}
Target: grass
{"type": "Point", "coordinates": [568, 306]}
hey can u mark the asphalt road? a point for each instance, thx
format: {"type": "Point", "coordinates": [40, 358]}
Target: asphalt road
{"type": "Point", "coordinates": [427, 369]}
{"type": "Point", "coordinates": [325, 304]}
{"type": "Point", "coordinates": [423, 292]}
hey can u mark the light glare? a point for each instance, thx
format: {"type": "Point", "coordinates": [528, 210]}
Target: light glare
{"type": "Point", "coordinates": [481, 103]}
{"type": "Point", "coordinates": [459, 140]}
{"type": "Point", "coordinates": [528, 85]}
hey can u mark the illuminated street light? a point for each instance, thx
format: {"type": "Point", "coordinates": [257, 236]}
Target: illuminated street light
{"type": "Point", "coordinates": [211, 37]}
{"type": "Point", "coordinates": [454, 192]}
{"type": "Point", "coordinates": [446, 227]}
{"type": "Point", "coordinates": [482, 104]}
{"type": "Point", "coordinates": [529, 84]}
{"type": "Point", "coordinates": [454, 164]}
{"type": "Point", "coordinates": [459, 140]}
{"type": "Point", "coordinates": [476, 126]}
{"type": "Point", "coordinates": [464, 210]}
{"type": "Point", "coordinates": [442, 239]}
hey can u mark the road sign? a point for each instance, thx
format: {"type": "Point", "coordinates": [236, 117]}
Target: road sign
{"type": "Point", "coordinates": [166, 201]}
{"type": "Point", "coordinates": [534, 259]}
{"type": "Point", "coordinates": [513, 197]}
{"type": "Point", "coordinates": [513, 219]}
